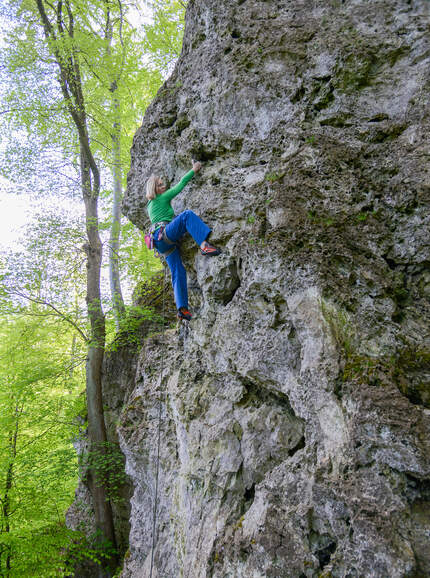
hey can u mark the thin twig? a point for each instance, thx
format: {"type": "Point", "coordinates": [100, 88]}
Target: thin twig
{"type": "Point", "coordinates": [57, 311]}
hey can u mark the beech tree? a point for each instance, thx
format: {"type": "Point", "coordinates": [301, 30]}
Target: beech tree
{"type": "Point", "coordinates": [59, 28]}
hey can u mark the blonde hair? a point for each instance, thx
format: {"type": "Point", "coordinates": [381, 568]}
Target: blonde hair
{"type": "Point", "coordinates": [150, 188]}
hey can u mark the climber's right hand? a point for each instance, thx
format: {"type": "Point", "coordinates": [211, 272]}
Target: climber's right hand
{"type": "Point", "coordinates": [196, 166]}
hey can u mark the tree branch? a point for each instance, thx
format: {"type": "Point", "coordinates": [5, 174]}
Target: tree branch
{"type": "Point", "coordinates": [74, 100]}
{"type": "Point", "coordinates": [51, 306]}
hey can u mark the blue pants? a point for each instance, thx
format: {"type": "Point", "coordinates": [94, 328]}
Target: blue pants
{"type": "Point", "coordinates": [175, 230]}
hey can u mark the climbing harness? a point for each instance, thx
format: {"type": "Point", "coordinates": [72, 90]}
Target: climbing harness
{"type": "Point", "coordinates": [157, 469]}
{"type": "Point", "coordinates": [161, 236]}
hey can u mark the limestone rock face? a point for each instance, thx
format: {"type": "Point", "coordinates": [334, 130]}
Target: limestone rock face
{"type": "Point", "coordinates": [295, 409]}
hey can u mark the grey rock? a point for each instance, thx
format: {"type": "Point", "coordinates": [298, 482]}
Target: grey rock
{"type": "Point", "coordinates": [295, 429]}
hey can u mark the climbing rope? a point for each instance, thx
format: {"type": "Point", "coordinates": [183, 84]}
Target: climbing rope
{"type": "Point", "coordinates": [161, 399]}
{"type": "Point", "coordinates": [157, 469]}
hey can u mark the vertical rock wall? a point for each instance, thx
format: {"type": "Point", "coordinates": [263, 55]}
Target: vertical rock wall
{"type": "Point", "coordinates": [295, 412]}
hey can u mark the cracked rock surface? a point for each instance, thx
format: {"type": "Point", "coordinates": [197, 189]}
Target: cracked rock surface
{"type": "Point", "coordinates": [296, 409]}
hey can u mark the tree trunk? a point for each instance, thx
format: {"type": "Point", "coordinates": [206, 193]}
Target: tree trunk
{"type": "Point", "coordinates": [13, 437]}
{"type": "Point", "coordinates": [67, 58]}
{"type": "Point", "coordinates": [73, 357]}
{"type": "Point", "coordinates": [114, 276]}
{"type": "Point", "coordinates": [6, 512]}
{"type": "Point", "coordinates": [96, 424]}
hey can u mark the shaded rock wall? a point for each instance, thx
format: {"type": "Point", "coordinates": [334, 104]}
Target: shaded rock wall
{"type": "Point", "coordinates": [295, 412]}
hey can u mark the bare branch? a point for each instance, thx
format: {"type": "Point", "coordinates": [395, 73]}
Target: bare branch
{"type": "Point", "coordinates": [51, 306]}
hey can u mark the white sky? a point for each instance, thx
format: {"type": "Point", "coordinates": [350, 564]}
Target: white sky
{"type": "Point", "coordinates": [15, 213]}
{"type": "Point", "coordinates": [18, 210]}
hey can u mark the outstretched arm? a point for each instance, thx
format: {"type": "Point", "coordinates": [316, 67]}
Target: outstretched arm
{"type": "Point", "coordinates": [171, 193]}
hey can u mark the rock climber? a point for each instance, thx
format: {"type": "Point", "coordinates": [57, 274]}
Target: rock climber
{"type": "Point", "coordinates": [168, 229]}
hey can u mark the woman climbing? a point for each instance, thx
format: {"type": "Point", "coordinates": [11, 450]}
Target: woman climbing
{"type": "Point", "coordinates": [167, 230]}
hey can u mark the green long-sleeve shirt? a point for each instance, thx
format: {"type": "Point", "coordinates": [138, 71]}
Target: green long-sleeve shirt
{"type": "Point", "coordinates": [159, 209]}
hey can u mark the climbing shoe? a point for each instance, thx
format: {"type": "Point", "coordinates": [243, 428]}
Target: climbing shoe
{"type": "Point", "coordinates": [209, 250]}
{"type": "Point", "coordinates": [184, 314]}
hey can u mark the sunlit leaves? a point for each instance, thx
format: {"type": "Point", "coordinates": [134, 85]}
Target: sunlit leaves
{"type": "Point", "coordinates": [33, 104]}
{"type": "Point", "coordinates": [40, 380]}
{"type": "Point", "coordinates": [42, 287]}
{"type": "Point", "coordinates": [163, 37]}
